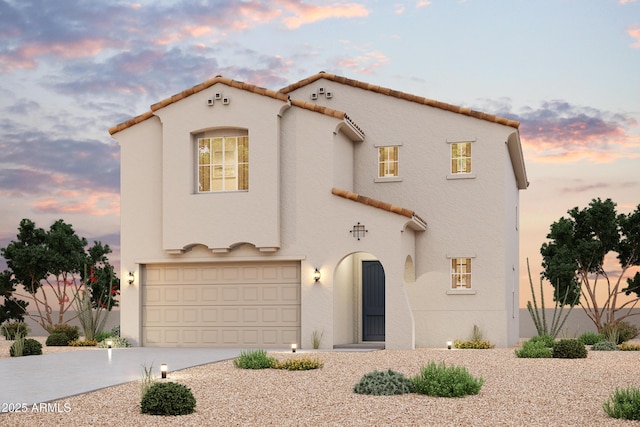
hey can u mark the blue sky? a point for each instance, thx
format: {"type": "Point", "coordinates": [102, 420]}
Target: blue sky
{"type": "Point", "coordinates": [568, 70]}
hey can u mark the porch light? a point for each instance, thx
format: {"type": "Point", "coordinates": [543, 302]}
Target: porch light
{"type": "Point", "coordinates": [163, 371]}
{"type": "Point", "coordinates": [109, 343]}
{"type": "Point", "coordinates": [131, 278]}
{"type": "Point", "coordinates": [449, 344]}
{"type": "Point", "coordinates": [316, 275]}
{"type": "Point", "coordinates": [294, 346]}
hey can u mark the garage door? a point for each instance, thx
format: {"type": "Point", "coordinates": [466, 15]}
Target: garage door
{"type": "Point", "coordinates": [221, 305]}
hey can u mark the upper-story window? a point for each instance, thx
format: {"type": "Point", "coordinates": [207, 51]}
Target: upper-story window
{"type": "Point", "coordinates": [460, 273]}
{"type": "Point", "coordinates": [461, 157]}
{"type": "Point", "coordinates": [387, 162]}
{"type": "Point", "coordinates": [223, 163]}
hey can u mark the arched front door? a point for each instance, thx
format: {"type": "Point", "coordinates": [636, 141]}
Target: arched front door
{"type": "Point", "coordinates": [372, 301]}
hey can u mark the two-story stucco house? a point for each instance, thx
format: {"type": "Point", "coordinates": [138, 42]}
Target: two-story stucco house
{"type": "Point", "coordinates": [258, 218]}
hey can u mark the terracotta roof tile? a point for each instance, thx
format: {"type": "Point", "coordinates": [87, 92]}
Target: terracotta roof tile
{"type": "Point", "coordinates": [377, 204]}
{"type": "Point", "coordinates": [402, 95]}
{"type": "Point", "coordinates": [236, 84]}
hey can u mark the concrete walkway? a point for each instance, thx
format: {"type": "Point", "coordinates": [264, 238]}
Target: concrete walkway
{"type": "Point", "coordinates": [35, 379]}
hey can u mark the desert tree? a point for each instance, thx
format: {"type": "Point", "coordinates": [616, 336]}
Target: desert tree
{"type": "Point", "coordinates": [573, 260]}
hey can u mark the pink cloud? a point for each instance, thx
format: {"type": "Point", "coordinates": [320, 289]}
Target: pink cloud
{"type": "Point", "coordinates": [304, 13]}
{"type": "Point", "coordinates": [25, 56]}
{"type": "Point", "coordinates": [561, 132]}
{"type": "Point", "coordinates": [422, 3]}
{"type": "Point", "coordinates": [365, 63]}
{"type": "Point", "coordinates": [634, 32]}
{"type": "Point", "coordinates": [72, 202]}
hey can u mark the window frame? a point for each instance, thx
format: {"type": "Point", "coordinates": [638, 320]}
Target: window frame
{"type": "Point", "coordinates": [389, 178]}
{"type": "Point", "coordinates": [452, 262]}
{"type": "Point", "coordinates": [221, 164]}
{"type": "Point", "coordinates": [461, 175]}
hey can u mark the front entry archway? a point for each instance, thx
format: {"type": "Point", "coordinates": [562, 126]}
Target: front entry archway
{"type": "Point", "coordinates": [373, 299]}
{"type": "Point", "coordinates": [359, 298]}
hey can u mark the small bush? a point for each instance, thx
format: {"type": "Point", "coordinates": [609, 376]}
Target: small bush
{"type": "Point", "coordinates": [604, 346]}
{"type": "Point", "coordinates": [10, 329]}
{"type": "Point", "coordinates": [72, 332]}
{"type": "Point", "coordinates": [623, 403]}
{"type": "Point", "coordinates": [57, 339]}
{"type": "Point", "coordinates": [547, 339]}
{"type": "Point", "coordinates": [116, 342]}
{"type": "Point", "coordinates": [476, 345]}
{"type": "Point", "coordinates": [28, 346]}
{"type": "Point", "coordinates": [253, 359]}
{"type": "Point", "coordinates": [383, 383]}
{"type": "Point", "coordinates": [625, 346]}
{"type": "Point", "coordinates": [115, 331]}
{"type": "Point", "coordinates": [569, 349]}
{"type": "Point", "coordinates": [101, 336]}
{"type": "Point", "coordinates": [305, 364]}
{"type": "Point", "coordinates": [534, 349]}
{"type": "Point", "coordinates": [83, 343]}
{"type": "Point", "coordinates": [590, 338]}
{"type": "Point", "coordinates": [625, 331]}
{"type": "Point", "coordinates": [442, 381]}
{"type": "Point", "coordinates": [168, 398]}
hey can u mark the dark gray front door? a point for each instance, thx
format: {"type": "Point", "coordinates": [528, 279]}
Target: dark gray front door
{"type": "Point", "coordinates": [372, 301]}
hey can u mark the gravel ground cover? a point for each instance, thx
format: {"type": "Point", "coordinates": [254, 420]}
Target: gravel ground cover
{"type": "Point", "coordinates": [516, 392]}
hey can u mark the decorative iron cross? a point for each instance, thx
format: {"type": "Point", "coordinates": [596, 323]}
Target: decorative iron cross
{"type": "Point", "coordinates": [358, 231]}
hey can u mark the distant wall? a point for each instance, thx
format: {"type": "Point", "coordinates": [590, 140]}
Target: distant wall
{"type": "Point", "coordinates": [37, 330]}
{"type": "Point", "coordinates": [576, 324]}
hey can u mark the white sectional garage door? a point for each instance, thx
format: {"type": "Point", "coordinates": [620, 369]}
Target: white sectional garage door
{"type": "Point", "coordinates": [221, 305]}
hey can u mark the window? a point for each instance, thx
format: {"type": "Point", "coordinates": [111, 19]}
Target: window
{"type": "Point", "coordinates": [223, 163]}
{"type": "Point", "coordinates": [460, 273]}
{"type": "Point", "coordinates": [387, 162]}
{"type": "Point", "coordinates": [461, 157]}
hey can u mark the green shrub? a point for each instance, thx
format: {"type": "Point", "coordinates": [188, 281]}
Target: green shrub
{"type": "Point", "coordinates": [57, 339]}
{"type": "Point", "coordinates": [83, 343]}
{"type": "Point", "coordinates": [569, 349]}
{"type": "Point", "coordinates": [623, 403]}
{"type": "Point", "coordinates": [253, 359]}
{"type": "Point", "coordinates": [470, 344]}
{"type": "Point", "coordinates": [303, 364]}
{"type": "Point", "coordinates": [26, 346]}
{"type": "Point", "coordinates": [625, 331]}
{"type": "Point", "coordinates": [547, 339]}
{"type": "Point", "coordinates": [115, 331]}
{"type": "Point", "coordinates": [625, 346]}
{"type": "Point", "coordinates": [383, 383]}
{"type": "Point", "coordinates": [590, 338]}
{"type": "Point", "coordinates": [534, 349]}
{"type": "Point", "coordinates": [168, 398]}
{"type": "Point", "coordinates": [440, 380]}
{"type": "Point", "coordinates": [72, 332]}
{"type": "Point", "coordinates": [101, 336]}
{"type": "Point", "coordinates": [604, 346]}
{"type": "Point", "coordinates": [10, 329]}
{"type": "Point", "coordinates": [116, 342]}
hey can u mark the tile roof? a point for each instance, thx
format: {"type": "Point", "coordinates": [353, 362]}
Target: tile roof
{"type": "Point", "coordinates": [377, 204]}
{"type": "Point", "coordinates": [402, 95]}
{"type": "Point", "coordinates": [236, 84]}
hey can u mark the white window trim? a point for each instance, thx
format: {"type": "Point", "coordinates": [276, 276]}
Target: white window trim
{"type": "Point", "coordinates": [387, 178]}
{"type": "Point", "coordinates": [465, 291]}
{"type": "Point", "coordinates": [217, 133]}
{"type": "Point", "coordinates": [470, 175]}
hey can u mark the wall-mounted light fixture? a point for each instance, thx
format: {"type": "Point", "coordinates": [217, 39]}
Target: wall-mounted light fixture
{"type": "Point", "coordinates": [294, 346]}
{"type": "Point", "coordinates": [131, 278]}
{"type": "Point", "coordinates": [449, 344]}
{"type": "Point", "coordinates": [316, 275]}
{"type": "Point", "coordinates": [163, 371]}
{"type": "Point", "coordinates": [109, 343]}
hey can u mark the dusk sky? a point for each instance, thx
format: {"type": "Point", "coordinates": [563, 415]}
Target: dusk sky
{"type": "Point", "coordinates": [568, 70]}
